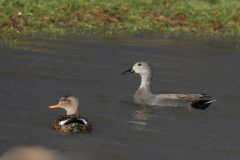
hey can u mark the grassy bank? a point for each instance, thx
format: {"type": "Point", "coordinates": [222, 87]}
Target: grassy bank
{"type": "Point", "coordinates": [31, 16]}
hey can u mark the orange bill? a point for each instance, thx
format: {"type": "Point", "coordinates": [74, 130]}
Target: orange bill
{"type": "Point", "coordinates": [55, 106]}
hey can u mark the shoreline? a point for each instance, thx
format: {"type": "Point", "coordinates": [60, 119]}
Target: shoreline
{"type": "Point", "coordinates": [132, 16]}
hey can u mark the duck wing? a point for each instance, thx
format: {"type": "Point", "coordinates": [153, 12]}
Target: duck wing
{"type": "Point", "coordinates": [187, 97]}
{"type": "Point", "coordinates": [198, 101]}
{"type": "Point", "coordinates": [69, 120]}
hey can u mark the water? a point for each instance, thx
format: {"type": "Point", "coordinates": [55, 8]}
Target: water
{"type": "Point", "coordinates": [38, 71]}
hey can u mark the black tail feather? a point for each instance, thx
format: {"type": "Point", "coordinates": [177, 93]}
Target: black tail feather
{"type": "Point", "coordinates": [201, 104]}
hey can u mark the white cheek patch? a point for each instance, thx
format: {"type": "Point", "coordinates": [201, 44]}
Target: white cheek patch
{"type": "Point", "coordinates": [63, 122]}
{"type": "Point", "coordinates": [84, 121]}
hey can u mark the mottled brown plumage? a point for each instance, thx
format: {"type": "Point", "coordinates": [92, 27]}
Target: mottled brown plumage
{"type": "Point", "coordinates": [72, 121]}
{"type": "Point", "coordinates": [75, 126]}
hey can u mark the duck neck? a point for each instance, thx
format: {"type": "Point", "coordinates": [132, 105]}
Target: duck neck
{"type": "Point", "coordinates": [72, 110]}
{"type": "Point", "coordinates": [146, 80]}
{"type": "Point", "coordinates": [143, 94]}
{"type": "Point", "coordinates": [145, 83]}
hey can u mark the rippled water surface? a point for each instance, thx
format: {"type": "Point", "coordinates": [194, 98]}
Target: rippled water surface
{"type": "Point", "coordinates": [35, 73]}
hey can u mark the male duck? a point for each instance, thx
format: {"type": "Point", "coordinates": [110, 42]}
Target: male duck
{"type": "Point", "coordinates": [72, 121]}
{"type": "Point", "coordinates": [144, 95]}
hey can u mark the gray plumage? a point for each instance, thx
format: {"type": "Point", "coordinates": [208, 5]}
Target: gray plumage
{"type": "Point", "coordinates": [145, 96]}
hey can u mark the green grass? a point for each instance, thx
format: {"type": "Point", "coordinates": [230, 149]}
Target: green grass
{"type": "Point", "coordinates": [54, 16]}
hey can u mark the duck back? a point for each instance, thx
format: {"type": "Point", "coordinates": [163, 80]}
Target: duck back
{"type": "Point", "coordinates": [72, 123]}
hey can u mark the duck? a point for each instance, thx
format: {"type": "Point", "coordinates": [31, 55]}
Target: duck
{"type": "Point", "coordinates": [145, 96]}
{"type": "Point", "coordinates": [72, 121]}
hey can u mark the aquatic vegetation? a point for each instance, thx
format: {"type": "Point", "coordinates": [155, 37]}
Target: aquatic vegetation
{"type": "Point", "coordinates": [26, 16]}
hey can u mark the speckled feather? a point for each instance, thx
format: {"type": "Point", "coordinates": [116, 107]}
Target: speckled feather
{"type": "Point", "coordinates": [75, 127]}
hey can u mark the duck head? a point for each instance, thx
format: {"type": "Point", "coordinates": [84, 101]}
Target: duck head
{"type": "Point", "coordinates": [142, 68]}
{"type": "Point", "coordinates": [69, 103]}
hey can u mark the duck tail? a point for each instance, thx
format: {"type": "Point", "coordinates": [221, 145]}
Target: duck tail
{"type": "Point", "coordinates": [202, 104]}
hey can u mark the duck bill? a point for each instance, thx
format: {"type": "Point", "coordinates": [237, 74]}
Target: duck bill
{"type": "Point", "coordinates": [128, 71]}
{"type": "Point", "coordinates": [55, 106]}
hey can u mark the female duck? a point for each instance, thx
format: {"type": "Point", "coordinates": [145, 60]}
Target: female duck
{"type": "Point", "coordinates": [144, 95]}
{"type": "Point", "coordinates": [72, 121]}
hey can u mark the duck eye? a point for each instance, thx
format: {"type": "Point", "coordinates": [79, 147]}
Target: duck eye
{"type": "Point", "coordinates": [139, 64]}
